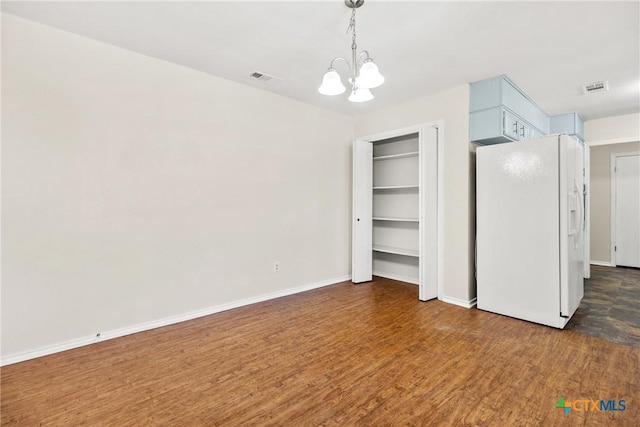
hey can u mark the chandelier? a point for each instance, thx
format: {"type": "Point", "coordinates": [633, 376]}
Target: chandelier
{"type": "Point", "coordinates": [363, 72]}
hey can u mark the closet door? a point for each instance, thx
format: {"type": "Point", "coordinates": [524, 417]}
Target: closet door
{"type": "Point", "coordinates": [395, 208]}
{"type": "Point", "coordinates": [428, 213]}
{"type": "Point", "coordinates": [362, 211]}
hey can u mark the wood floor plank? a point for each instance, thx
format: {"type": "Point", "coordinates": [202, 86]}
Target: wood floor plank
{"type": "Point", "coordinates": [610, 307]}
{"type": "Point", "coordinates": [369, 354]}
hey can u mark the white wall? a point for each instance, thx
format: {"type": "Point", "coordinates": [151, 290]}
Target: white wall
{"type": "Point", "coordinates": [453, 107]}
{"type": "Point", "coordinates": [135, 190]}
{"type": "Point", "coordinates": [625, 127]}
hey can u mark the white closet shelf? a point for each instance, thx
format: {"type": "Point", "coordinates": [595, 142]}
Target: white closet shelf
{"type": "Point", "coordinates": [381, 218]}
{"type": "Point", "coordinates": [397, 156]}
{"type": "Point", "coordinates": [396, 251]}
{"type": "Point", "coordinates": [397, 187]}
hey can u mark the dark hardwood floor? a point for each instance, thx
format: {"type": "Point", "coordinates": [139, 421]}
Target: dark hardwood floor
{"type": "Point", "coordinates": [610, 308]}
{"type": "Point", "coordinates": [348, 355]}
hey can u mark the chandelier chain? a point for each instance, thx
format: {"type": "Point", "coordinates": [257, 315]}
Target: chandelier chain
{"type": "Point", "coordinates": [352, 26]}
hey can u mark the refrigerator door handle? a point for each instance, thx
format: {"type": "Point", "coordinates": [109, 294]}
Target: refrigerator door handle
{"type": "Point", "coordinates": [572, 217]}
{"type": "Point", "coordinates": [576, 212]}
{"type": "Point", "coordinates": [581, 205]}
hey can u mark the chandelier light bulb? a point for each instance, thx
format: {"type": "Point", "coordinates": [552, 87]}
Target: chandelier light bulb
{"type": "Point", "coordinates": [331, 83]}
{"type": "Point", "coordinates": [370, 76]}
{"type": "Point", "coordinates": [360, 95]}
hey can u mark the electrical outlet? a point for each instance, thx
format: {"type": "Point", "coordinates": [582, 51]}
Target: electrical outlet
{"type": "Point", "coordinates": [276, 266]}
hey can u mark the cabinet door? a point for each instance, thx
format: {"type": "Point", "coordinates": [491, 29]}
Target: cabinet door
{"type": "Point", "coordinates": [523, 131]}
{"type": "Point", "coordinates": [515, 100]}
{"type": "Point", "coordinates": [526, 132]}
{"type": "Point", "coordinates": [579, 127]}
{"type": "Point", "coordinates": [531, 134]}
{"type": "Point", "coordinates": [362, 234]}
{"type": "Point", "coordinates": [509, 125]}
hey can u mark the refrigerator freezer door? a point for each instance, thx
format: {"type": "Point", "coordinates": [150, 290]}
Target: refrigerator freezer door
{"type": "Point", "coordinates": [571, 227]}
{"type": "Point", "coordinates": [518, 269]}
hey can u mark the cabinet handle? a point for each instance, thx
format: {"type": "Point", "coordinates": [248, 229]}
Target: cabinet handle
{"type": "Point", "coordinates": [515, 127]}
{"type": "Point", "coordinates": [522, 130]}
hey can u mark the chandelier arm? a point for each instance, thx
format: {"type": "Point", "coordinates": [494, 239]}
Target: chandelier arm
{"type": "Point", "coordinates": [339, 58]}
{"type": "Point", "coordinates": [355, 70]}
{"type": "Point", "coordinates": [364, 52]}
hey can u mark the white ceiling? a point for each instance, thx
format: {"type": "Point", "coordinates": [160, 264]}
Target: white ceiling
{"type": "Point", "coordinates": [550, 49]}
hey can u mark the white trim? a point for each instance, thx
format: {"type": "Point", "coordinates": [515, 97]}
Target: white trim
{"type": "Point", "coordinates": [587, 210]}
{"type": "Point", "coordinates": [627, 154]}
{"type": "Point", "coordinates": [441, 216]}
{"type": "Point", "coordinates": [613, 141]}
{"type": "Point", "coordinates": [395, 133]}
{"type": "Point", "coordinates": [613, 210]}
{"type": "Point", "coordinates": [397, 277]}
{"type": "Point", "coordinates": [116, 333]}
{"type": "Point", "coordinates": [458, 302]}
{"type": "Point", "coordinates": [601, 263]}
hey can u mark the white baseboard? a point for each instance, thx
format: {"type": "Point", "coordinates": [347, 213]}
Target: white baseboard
{"type": "Point", "coordinates": [602, 263]}
{"type": "Point", "coordinates": [399, 278]}
{"type": "Point", "coordinates": [116, 333]}
{"type": "Point", "coordinates": [462, 303]}
{"type": "Point", "coordinates": [449, 300]}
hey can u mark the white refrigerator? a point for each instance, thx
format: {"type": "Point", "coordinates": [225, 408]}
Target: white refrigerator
{"type": "Point", "coordinates": [530, 222]}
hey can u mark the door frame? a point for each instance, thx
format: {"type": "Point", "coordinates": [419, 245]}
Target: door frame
{"type": "Point", "coordinates": [613, 179]}
{"type": "Point", "coordinates": [587, 210]}
{"type": "Point", "coordinates": [420, 129]}
{"type": "Point", "coordinates": [588, 144]}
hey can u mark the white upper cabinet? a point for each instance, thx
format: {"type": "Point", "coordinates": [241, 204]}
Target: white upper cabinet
{"type": "Point", "coordinates": [501, 112]}
{"type": "Point", "coordinates": [570, 123]}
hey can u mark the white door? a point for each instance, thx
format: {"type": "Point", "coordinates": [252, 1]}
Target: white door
{"type": "Point", "coordinates": [428, 213]}
{"type": "Point", "coordinates": [362, 234]}
{"type": "Point", "coordinates": [627, 210]}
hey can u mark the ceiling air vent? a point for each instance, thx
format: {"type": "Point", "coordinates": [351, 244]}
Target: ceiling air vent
{"type": "Point", "coordinates": [595, 87]}
{"type": "Point", "coordinates": [263, 77]}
